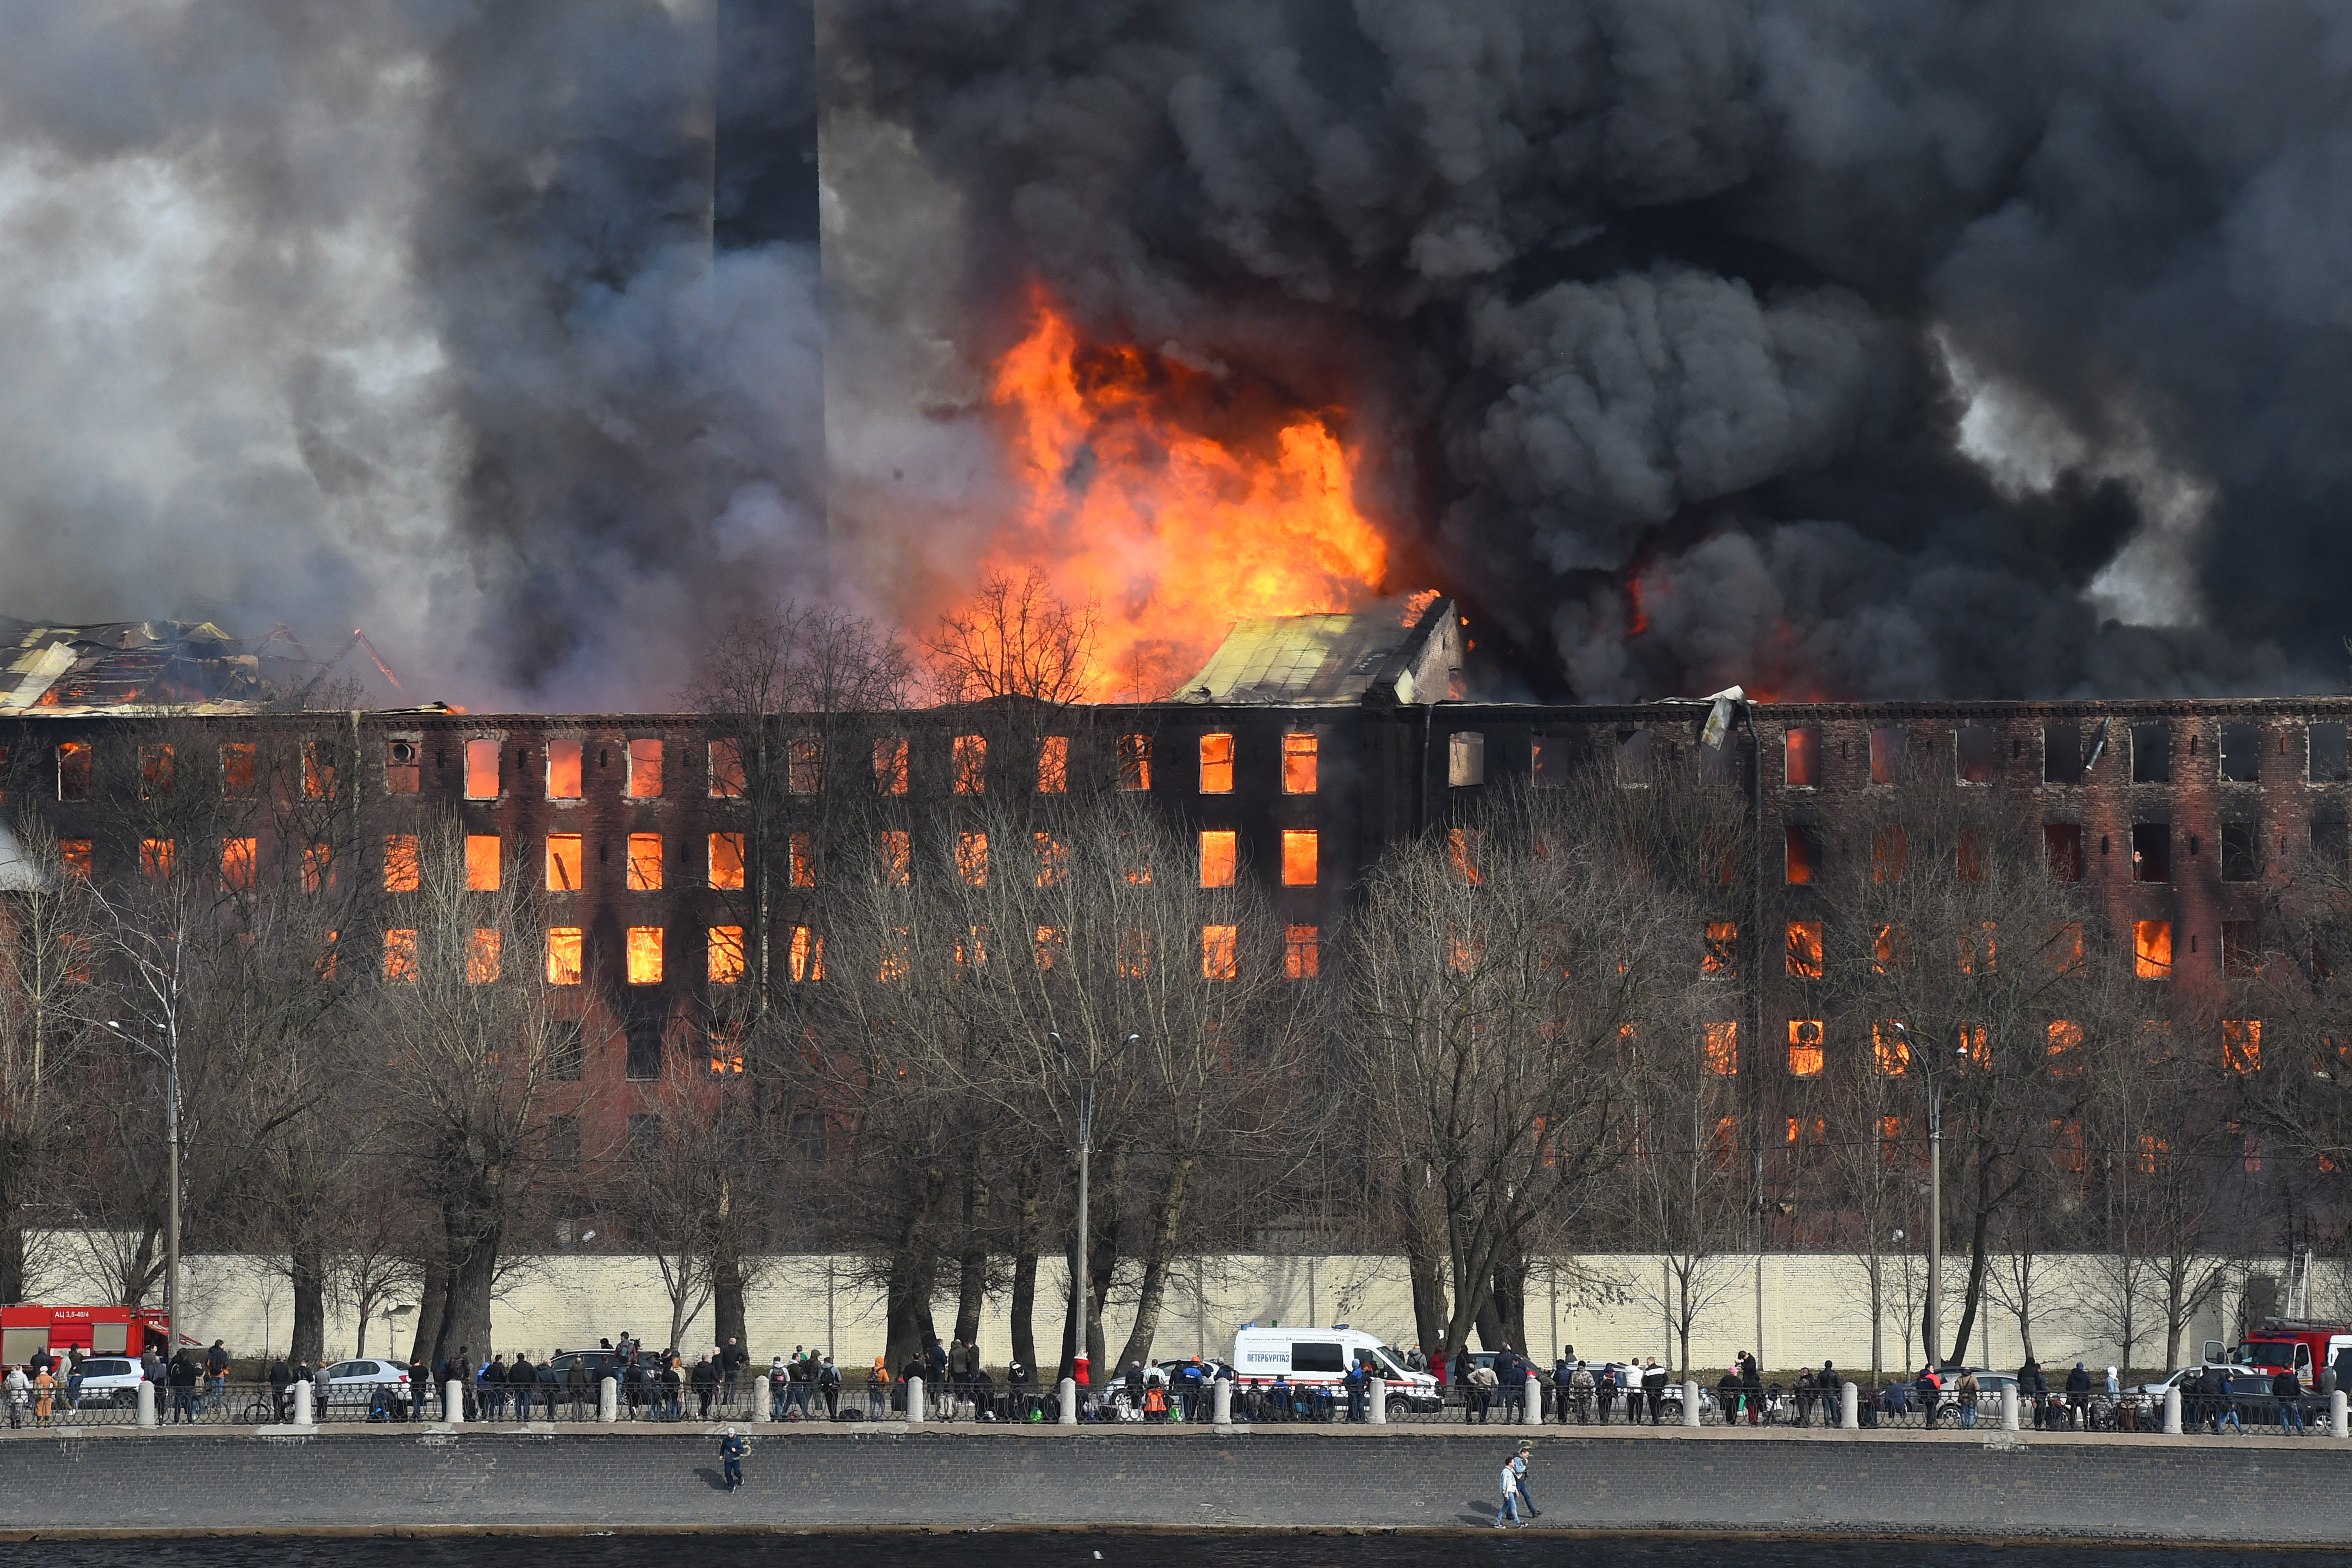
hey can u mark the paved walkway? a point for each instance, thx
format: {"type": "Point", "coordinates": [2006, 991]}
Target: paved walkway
{"type": "Point", "coordinates": [2058, 1488]}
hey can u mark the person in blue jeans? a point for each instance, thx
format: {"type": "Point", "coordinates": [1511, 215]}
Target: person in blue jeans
{"type": "Point", "coordinates": [730, 1452]}
{"type": "Point", "coordinates": [1510, 1497]}
{"type": "Point", "coordinates": [2287, 1389]}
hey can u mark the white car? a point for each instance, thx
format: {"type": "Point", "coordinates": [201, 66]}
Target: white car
{"type": "Point", "coordinates": [113, 1379]}
{"type": "Point", "coordinates": [355, 1382]}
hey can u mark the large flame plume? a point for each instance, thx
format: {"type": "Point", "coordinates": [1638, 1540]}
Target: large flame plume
{"type": "Point", "coordinates": [1147, 490]}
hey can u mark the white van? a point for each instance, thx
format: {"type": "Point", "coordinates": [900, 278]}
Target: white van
{"type": "Point", "coordinates": [1311, 1356]}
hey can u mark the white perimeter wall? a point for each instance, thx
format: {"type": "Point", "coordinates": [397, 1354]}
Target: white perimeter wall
{"type": "Point", "coordinates": [1813, 1306]}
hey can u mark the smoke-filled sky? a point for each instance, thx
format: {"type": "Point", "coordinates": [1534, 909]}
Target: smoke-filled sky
{"type": "Point", "coordinates": [1937, 349]}
{"type": "Point", "coordinates": [1960, 349]}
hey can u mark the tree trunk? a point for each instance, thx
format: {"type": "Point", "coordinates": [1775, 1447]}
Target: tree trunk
{"type": "Point", "coordinates": [913, 1273]}
{"type": "Point", "coordinates": [727, 1295]}
{"type": "Point", "coordinates": [1877, 1317]}
{"type": "Point", "coordinates": [15, 1156]}
{"type": "Point", "coordinates": [971, 1268]}
{"type": "Point", "coordinates": [1102, 1263]}
{"type": "Point", "coordinates": [1024, 1282]}
{"type": "Point", "coordinates": [1157, 1249]}
{"type": "Point", "coordinates": [474, 1226]}
{"type": "Point", "coordinates": [432, 1307]}
{"type": "Point", "coordinates": [308, 1271]}
{"type": "Point", "coordinates": [1427, 1269]}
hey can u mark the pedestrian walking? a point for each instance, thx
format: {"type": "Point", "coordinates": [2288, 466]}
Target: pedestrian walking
{"type": "Point", "coordinates": [730, 1453]}
{"type": "Point", "coordinates": [2287, 1389]}
{"type": "Point", "coordinates": [1520, 1471]}
{"type": "Point", "coordinates": [1510, 1486]}
{"type": "Point", "coordinates": [1969, 1391]}
{"type": "Point", "coordinates": [706, 1386]}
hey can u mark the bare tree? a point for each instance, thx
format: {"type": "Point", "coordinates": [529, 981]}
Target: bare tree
{"type": "Point", "coordinates": [49, 927]}
{"type": "Point", "coordinates": [1014, 638]}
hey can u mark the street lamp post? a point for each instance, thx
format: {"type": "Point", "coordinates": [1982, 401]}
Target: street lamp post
{"type": "Point", "coordinates": [1934, 1192]}
{"type": "Point", "coordinates": [171, 1134]}
{"type": "Point", "coordinates": [1085, 1073]}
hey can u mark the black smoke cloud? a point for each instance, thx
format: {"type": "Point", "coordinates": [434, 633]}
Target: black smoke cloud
{"type": "Point", "coordinates": [1937, 349]}
{"type": "Point", "coordinates": [488, 324]}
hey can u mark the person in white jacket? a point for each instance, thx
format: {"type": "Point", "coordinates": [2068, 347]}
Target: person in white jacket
{"type": "Point", "coordinates": [19, 1391]}
{"type": "Point", "coordinates": [1510, 1496]}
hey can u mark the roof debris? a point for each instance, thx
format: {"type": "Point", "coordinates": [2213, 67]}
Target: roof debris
{"type": "Point", "coordinates": [1406, 649]}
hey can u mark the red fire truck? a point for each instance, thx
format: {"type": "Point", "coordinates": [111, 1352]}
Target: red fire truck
{"type": "Point", "coordinates": [28, 1327]}
{"type": "Point", "coordinates": [2276, 1343]}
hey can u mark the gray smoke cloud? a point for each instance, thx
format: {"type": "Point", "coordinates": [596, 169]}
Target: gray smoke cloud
{"type": "Point", "coordinates": [408, 314]}
{"type": "Point", "coordinates": [1941, 350]}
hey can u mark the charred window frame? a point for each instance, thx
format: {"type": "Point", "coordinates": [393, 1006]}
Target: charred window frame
{"type": "Point", "coordinates": [403, 763]}
{"type": "Point", "coordinates": [1801, 756]}
{"type": "Point", "coordinates": [1633, 753]}
{"type": "Point", "coordinates": [2241, 852]}
{"type": "Point", "coordinates": [2062, 753]}
{"type": "Point", "coordinates": [2330, 755]}
{"type": "Point", "coordinates": [1974, 754]}
{"type": "Point", "coordinates": [642, 1026]}
{"type": "Point", "coordinates": [2151, 852]}
{"type": "Point", "coordinates": [2240, 758]}
{"type": "Point", "coordinates": [2151, 747]}
{"type": "Point", "coordinates": [1890, 754]}
{"type": "Point", "coordinates": [2061, 848]}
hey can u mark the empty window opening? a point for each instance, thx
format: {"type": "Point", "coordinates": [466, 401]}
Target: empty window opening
{"type": "Point", "coordinates": [1890, 950]}
{"type": "Point", "coordinates": [1719, 1042]}
{"type": "Point", "coordinates": [564, 770]}
{"type": "Point", "coordinates": [2151, 747]}
{"type": "Point", "coordinates": [156, 770]}
{"type": "Point", "coordinates": [237, 863]}
{"type": "Point", "coordinates": [971, 858]}
{"type": "Point", "coordinates": [1054, 765]}
{"type": "Point", "coordinates": [1802, 754]}
{"type": "Point", "coordinates": [2241, 852]}
{"type": "Point", "coordinates": [2066, 1046]}
{"type": "Point", "coordinates": [1721, 954]}
{"type": "Point", "coordinates": [2151, 851]}
{"type": "Point", "coordinates": [2331, 756]}
{"type": "Point", "coordinates": [642, 1026]}
{"type": "Point", "coordinates": [1805, 950]}
{"type": "Point", "coordinates": [2061, 849]}
{"type": "Point", "coordinates": [1804, 1050]}
{"type": "Point", "coordinates": [1220, 956]}
{"type": "Point", "coordinates": [400, 956]}
{"type": "Point", "coordinates": [645, 769]}
{"type": "Point", "coordinates": [1466, 758]}
{"type": "Point", "coordinates": [644, 956]}
{"type": "Point", "coordinates": [800, 853]}
{"type": "Point", "coordinates": [2062, 753]}
{"type": "Point", "coordinates": [563, 1142]}
{"type": "Point", "coordinates": [1974, 749]}
{"type": "Point", "coordinates": [1135, 761]}
{"type": "Point", "coordinates": [1216, 764]}
{"type": "Point", "coordinates": [890, 765]}
{"type": "Point", "coordinates": [155, 858]}
{"type": "Point", "coordinates": [2064, 950]}
{"type": "Point", "coordinates": [2241, 950]}
{"type": "Point", "coordinates": [645, 862]}
{"type": "Point", "coordinates": [237, 760]}
{"type": "Point", "coordinates": [402, 874]}
{"type": "Point", "coordinates": [724, 765]}
{"type": "Point", "coordinates": [75, 856]}
{"type": "Point", "coordinates": [564, 862]}
{"type": "Point", "coordinates": [804, 765]}
{"type": "Point", "coordinates": [2241, 1045]}
{"type": "Point", "coordinates": [723, 948]}
{"type": "Point", "coordinates": [1053, 859]}
{"type": "Point", "coordinates": [1298, 764]}
{"type": "Point", "coordinates": [1890, 751]}
{"type": "Point", "coordinates": [483, 947]}
{"type": "Point", "coordinates": [1890, 1049]}
{"type": "Point", "coordinates": [403, 769]}
{"type": "Point", "coordinates": [2152, 949]}
{"type": "Point", "coordinates": [726, 860]}
{"type": "Point", "coordinates": [1803, 854]}
{"type": "Point", "coordinates": [483, 863]}
{"type": "Point", "coordinates": [898, 850]}
{"type": "Point", "coordinates": [318, 771]}
{"type": "Point", "coordinates": [1548, 762]}
{"type": "Point", "coordinates": [2241, 753]}
{"type": "Point", "coordinates": [1634, 752]}
{"type": "Point", "coordinates": [1220, 850]}
{"type": "Point", "coordinates": [563, 949]}
{"type": "Point", "coordinates": [1301, 957]}
{"type": "Point", "coordinates": [1299, 868]}
{"type": "Point", "coordinates": [2331, 843]}
{"type": "Point", "coordinates": [804, 955]}
{"type": "Point", "coordinates": [970, 760]}
{"type": "Point", "coordinates": [1890, 853]}
{"type": "Point", "coordinates": [482, 769]}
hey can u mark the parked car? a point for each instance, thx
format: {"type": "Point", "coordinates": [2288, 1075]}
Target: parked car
{"type": "Point", "coordinates": [1989, 1386]}
{"type": "Point", "coordinates": [355, 1382]}
{"type": "Point", "coordinates": [111, 1379]}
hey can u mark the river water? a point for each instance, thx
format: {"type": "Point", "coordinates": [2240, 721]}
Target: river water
{"type": "Point", "coordinates": [1020, 1550]}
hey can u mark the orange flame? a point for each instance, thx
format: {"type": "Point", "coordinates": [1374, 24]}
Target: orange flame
{"type": "Point", "coordinates": [1173, 532]}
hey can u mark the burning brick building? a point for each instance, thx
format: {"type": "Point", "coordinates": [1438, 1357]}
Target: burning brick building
{"type": "Point", "coordinates": [1315, 742]}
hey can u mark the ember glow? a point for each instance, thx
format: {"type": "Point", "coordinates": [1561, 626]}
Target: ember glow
{"type": "Point", "coordinates": [1175, 530]}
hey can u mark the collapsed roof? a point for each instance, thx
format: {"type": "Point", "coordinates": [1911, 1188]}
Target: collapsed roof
{"type": "Point", "coordinates": [127, 666]}
{"type": "Point", "coordinates": [1405, 649]}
